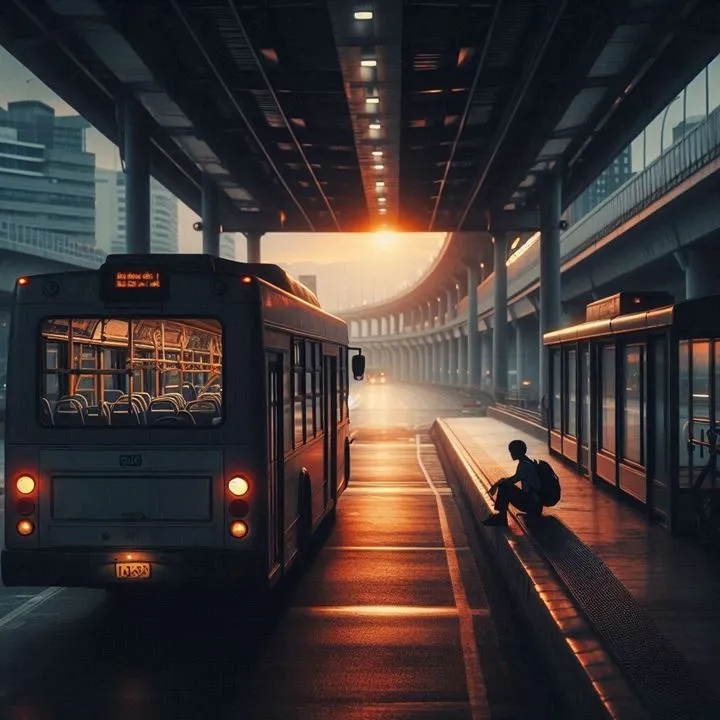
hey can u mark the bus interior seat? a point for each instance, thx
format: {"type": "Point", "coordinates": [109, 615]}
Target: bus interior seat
{"type": "Point", "coordinates": [147, 398]}
{"type": "Point", "coordinates": [46, 414]}
{"type": "Point", "coordinates": [188, 392]}
{"type": "Point", "coordinates": [204, 411]}
{"type": "Point", "coordinates": [68, 412]}
{"type": "Point", "coordinates": [123, 414]}
{"type": "Point", "coordinates": [162, 407]}
{"type": "Point", "coordinates": [97, 415]}
{"type": "Point", "coordinates": [112, 396]}
{"type": "Point", "coordinates": [183, 417]}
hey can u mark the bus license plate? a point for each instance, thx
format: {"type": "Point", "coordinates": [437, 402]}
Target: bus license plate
{"type": "Point", "coordinates": [132, 570]}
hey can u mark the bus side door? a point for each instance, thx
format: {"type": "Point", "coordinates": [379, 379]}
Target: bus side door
{"type": "Point", "coordinates": [330, 410]}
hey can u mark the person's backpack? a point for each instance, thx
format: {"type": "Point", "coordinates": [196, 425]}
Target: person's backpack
{"type": "Point", "coordinates": [549, 483]}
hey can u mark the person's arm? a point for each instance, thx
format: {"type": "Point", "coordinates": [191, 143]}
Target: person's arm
{"type": "Point", "coordinates": [506, 481]}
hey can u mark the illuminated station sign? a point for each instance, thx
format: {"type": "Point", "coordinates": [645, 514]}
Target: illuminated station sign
{"type": "Point", "coordinates": [137, 280]}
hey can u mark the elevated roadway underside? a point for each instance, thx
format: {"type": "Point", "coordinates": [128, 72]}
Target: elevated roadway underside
{"type": "Point", "coordinates": [471, 104]}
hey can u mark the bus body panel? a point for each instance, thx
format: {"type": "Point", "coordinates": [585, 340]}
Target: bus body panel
{"type": "Point", "coordinates": [159, 495]}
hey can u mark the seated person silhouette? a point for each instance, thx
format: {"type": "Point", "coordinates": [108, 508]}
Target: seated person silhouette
{"type": "Point", "coordinates": [525, 498]}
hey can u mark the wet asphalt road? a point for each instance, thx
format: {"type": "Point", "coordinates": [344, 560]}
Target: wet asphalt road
{"type": "Point", "coordinates": [399, 615]}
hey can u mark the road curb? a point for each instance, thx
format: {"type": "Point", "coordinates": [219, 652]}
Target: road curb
{"type": "Point", "coordinates": [590, 682]}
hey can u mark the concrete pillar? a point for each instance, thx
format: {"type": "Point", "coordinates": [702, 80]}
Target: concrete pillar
{"type": "Point", "coordinates": [486, 347]}
{"type": "Point", "coordinates": [500, 334]}
{"type": "Point", "coordinates": [520, 359]}
{"type": "Point", "coordinates": [450, 301]}
{"type": "Point", "coordinates": [473, 358]}
{"type": "Point", "coordinates": [435, 363]}
{"type": "Point", "coordinates": [428, 363]}
{"type": "Point", "coordinates": [550, 208]}
{"type": "Point", "coordinates": [210, 217]}
{"type": "Point", "coordinates": [702, 271]}
{"type": "Point", "coordinates": [453, 361]}
{"type": "Point", "coordinates": [253, 247]}
{"type": "Point", "coordinates": [137, 179]}
{"type": "Point", "coordinates": [462, 361]}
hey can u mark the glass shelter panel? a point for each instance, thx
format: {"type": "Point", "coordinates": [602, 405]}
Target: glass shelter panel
{"type": "Point", "coordinates": [633, 416]}
{"type": "Point", "coordinates": [556, 389]}
{"type": "Point", "coordinates": [571, 393]}
{"type": "Point", "coordinates": [607, 419]}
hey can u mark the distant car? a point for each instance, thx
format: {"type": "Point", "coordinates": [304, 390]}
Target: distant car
{"type": "Point", "coordinates": [377, 377]}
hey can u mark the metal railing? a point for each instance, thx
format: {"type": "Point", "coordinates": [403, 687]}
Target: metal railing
{"type": "Point", "coordinates": [52, 246]}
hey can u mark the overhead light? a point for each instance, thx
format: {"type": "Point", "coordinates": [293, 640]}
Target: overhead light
{"type": "Point", "coordinates": [515, 243]}
{"type": "Point", "coordinates": [379, 167]}
{"type": "Point", "coordinates": [379, 184]}
{"type": "Point", "coordinates": [377, 153]}
{"type": "Point", "coordinates": [363, 15]}
{"type": "Point", "coordinates": [382, 210]}
{"type": "Point", "coordinates": [382, 199]}
{"type": "Point", "coordinates": [372, 100]}
{"type": "Point", "coordinates": [374, 126]}
{"type": "Point", "coordinates": [368, 63]}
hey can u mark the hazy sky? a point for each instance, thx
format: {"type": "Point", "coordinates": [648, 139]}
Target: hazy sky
{"type": "Point", "coordinates": [351, 268]}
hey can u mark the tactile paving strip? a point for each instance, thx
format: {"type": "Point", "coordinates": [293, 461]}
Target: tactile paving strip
{"type": "Point", "coordinates": [664, 681]}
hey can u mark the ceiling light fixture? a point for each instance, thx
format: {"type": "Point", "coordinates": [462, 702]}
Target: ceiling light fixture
{"type": "Point", "coordinates": [363, 15]}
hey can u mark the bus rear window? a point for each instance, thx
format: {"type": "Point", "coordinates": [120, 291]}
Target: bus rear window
{"type": "Point", "coordinates": [124, 372]}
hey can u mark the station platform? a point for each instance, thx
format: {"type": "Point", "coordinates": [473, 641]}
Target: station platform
{"type": "Point", "coordinates": [624, 610]}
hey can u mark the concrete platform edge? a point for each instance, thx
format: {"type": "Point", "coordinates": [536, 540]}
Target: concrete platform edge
{"type": "Point", "coordinates": [520, 423]}
{"type": "Point", "coordinates": [590, 690]}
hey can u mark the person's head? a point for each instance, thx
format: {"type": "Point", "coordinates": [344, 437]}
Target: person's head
{"type": "Point", "coordinates": [517, 449]}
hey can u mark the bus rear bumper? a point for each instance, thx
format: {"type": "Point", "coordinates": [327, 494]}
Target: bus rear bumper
{"type": "Point", "coordinates": [42, 568]}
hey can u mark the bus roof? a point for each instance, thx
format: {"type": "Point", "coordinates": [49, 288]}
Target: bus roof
{"type": "Point", "coordinates": [209, 264]}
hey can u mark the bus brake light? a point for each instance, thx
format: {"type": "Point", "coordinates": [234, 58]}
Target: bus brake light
{"type": "Point", "coordinates": [239, 486]}
{"type": "Point", "coordinates": [25, 484]}
{"type": "Point", "coordinates": [246, 279]}
{"type": "Point", "coordinates": [22, 281]}
{"type": "Point", "coordinates": [238, 529]}
{"type": "Point", "coordinates": [25, 528]}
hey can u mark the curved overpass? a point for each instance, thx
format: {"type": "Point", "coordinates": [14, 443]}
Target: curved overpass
{"type": "Point", "coordinates": [650, 234]}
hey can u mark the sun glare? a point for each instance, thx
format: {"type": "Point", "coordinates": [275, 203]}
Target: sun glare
{"type": "Point", "coordinates": [385, 239]}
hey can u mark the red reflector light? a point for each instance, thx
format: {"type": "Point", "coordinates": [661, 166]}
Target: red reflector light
{"type": "Point", "coordinates": [22, 281]}
{"type": "Point", "coordinates": [239, 508]}
{"type": "Point", "coordinates": [25, 506]}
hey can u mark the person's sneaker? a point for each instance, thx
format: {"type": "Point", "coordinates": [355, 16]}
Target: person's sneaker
{"type": "Point", "coordinates": [496, 519]}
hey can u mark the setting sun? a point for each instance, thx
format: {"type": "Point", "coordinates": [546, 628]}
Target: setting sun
{"type": "Point", "coordinates": [385, 239]}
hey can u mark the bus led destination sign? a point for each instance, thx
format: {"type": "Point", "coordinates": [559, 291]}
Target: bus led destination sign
{"type": "Point", "coordinates": [138, 280]}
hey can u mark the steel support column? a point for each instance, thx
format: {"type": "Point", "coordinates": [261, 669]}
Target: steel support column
{"type": "Point", "coordinates": [137, 179]}
{"type": "Point", "coordinates": [210, 217]}
{"type": "Point", "coordinates": [473, 357]}
{"type": "Point", "coordinates": [500, 334]}
{"type": "Point", "coordinates": [550, 209]}
{"type": "Point", "coordinates": [462, 361]}
{"type": "Point", "coordinates": [253, 247]}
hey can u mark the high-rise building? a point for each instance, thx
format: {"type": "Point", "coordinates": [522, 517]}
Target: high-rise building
{"type": "Point", "coordinates": [613, 177]}
{"type": "Point", "coordinates": [47, 179]}
{"type": "Point", "coordinates": [110, 206]}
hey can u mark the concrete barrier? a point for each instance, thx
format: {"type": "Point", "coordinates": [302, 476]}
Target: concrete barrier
{"type": "Point", "coordinates": [519, 422]}
{"type": "Point", "coordinates": [590, 682]}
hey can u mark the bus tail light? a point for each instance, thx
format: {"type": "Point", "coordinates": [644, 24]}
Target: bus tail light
{"type": "Point", "coordinates": [238, 529]}
{"type": "Point", "coordinates": [22, 281]}
{"type": "Point", "coordinates": [25, 527]}
{"type": "Point", "coordinates": [25, 484]}
{"type": "Point", "coordinates": [239, 486]}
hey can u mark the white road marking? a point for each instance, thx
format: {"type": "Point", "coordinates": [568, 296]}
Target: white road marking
{"type": "Point", "coordinates": [32, 604]}
{"type": "Point", "coordinates": [477, 694]}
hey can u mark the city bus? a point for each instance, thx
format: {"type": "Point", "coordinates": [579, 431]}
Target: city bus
{"type": "Point", "coordinates": [171, 419]}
